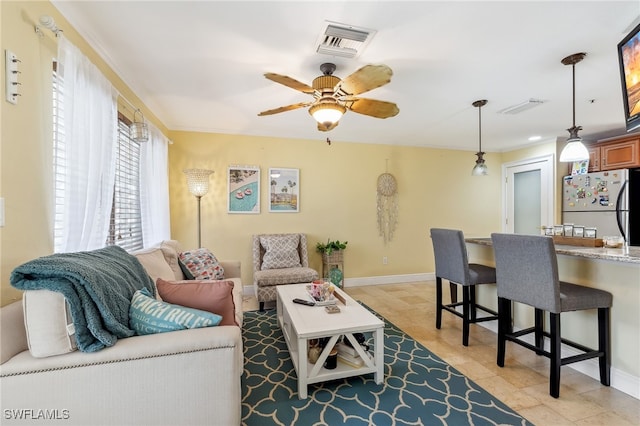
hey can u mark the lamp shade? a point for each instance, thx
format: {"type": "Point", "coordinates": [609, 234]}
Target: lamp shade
{"type": "Point", "coordinates": [574, 150]}
{"type": "Point", "coordinates": [480, 169]}
{"type": "Point", "coordinates": [327, 113]}
{"type": "Point", "coordinates": [198, 181]}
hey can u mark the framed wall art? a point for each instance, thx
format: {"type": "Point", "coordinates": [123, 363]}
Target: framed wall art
{"type": "Point", "coordinates": [284, 190]}
{"type": "Point", "coordinates": [243, 189]}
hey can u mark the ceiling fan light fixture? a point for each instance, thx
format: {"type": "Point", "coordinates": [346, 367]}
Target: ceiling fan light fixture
{"type": "Point", "coordinates": [327, 113]}
{"type": "Point", "coordinates": [574, 150]}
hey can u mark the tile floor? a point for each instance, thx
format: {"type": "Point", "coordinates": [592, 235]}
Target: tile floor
{"type": "Point", "coordinates": [522, 384]}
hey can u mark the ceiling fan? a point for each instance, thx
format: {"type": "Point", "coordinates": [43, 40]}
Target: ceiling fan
{"type": "Point", "coordinates": [332, 96]}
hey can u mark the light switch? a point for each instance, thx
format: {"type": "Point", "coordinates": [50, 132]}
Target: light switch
{"type": "Point", "coordinates": [1, 212]}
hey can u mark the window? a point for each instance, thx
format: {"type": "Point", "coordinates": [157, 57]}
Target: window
{"type": "Point", "coordinates": [125, 225]}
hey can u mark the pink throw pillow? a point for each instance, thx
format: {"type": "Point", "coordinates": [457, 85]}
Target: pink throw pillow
{"type": "Point", "coordinates": [206, 295]}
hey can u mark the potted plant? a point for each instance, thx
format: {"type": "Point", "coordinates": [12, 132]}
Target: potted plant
{"type": "Point", "coordinates": [332, 257]}
{"type": "Point", "coordinates": [331, 246]}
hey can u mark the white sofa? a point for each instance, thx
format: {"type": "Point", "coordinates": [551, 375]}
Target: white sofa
{"type": "Point", "coordinates": [182, 377]}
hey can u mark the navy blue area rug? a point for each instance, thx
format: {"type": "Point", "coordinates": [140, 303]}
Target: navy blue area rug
{"type": "Point", "coordinates": [419, 388]}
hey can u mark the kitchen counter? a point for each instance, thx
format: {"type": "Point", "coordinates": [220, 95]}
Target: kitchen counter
{"type": "Point", "coordinates": [632, 255]}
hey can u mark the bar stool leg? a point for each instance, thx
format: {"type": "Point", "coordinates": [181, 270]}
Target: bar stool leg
{"type": "Point", "coordinates": [454, 292]}
{"type": "Point", "coordinates": [472, 302]}
{"type": "Point", "coordinates": [604, 346]}
{"type": "Point", "coordinates": [556, 362]}
{"type": "Point", "coordinates": [466, 314]}
{"type": "Point", "coordinates": [504, 325]}
{"type": "Point", "coordinates": [539, 328]}
{"type": "Point", "coordinates": [439, 302]}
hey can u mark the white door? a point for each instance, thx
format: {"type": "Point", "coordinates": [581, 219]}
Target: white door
{"type": "Point", "coordinates": [528, 195]}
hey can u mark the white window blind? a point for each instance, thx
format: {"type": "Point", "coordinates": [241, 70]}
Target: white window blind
{"type": "Point", "coordinates": [125, 229]}
{"type": "Point", "coordinates": [59, 159]}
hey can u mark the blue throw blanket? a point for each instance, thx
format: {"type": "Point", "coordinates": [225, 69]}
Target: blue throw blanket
{"type": "Point", "coordinates": [98, 286]}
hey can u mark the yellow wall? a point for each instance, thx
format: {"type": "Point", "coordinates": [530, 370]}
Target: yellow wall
{"type": "Point", "coordinates": [26, 144]}
{"type": "Point", "coordinates": [338, 182]}
{"type": "Point", "coordinates": [337, 198]}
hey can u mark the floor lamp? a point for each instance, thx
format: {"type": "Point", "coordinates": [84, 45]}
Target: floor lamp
{"type": "Point", "coordinates": [198, 183]}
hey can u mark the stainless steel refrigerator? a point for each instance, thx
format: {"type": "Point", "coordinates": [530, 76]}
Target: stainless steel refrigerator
{"type": "Point", "coordinates": [608, 201]}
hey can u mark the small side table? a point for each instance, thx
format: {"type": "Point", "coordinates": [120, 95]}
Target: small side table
{"type": "Point", "coordinates": [329, 262]}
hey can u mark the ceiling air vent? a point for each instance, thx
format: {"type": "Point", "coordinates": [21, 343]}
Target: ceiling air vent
{"type": "Point", "coordinates": [343, 40]}
{"type": "Point", "coordinates": [522, 106]}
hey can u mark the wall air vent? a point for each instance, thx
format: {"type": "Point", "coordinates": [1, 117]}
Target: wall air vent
{"type": "Point", "coordinates": [522, 106]}
{"type": "Point", "coordinates": [343, 40]}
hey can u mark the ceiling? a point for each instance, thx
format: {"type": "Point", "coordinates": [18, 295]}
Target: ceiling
{"type": "Point", "coordinates": [199, 65]}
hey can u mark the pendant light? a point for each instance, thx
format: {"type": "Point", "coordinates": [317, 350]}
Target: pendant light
{"type": "Point", "coordinates": [480, 169]}
{"type": "Point", "coordinates": [574, 150]}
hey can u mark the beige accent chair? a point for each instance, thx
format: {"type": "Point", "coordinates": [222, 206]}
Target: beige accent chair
{"type": "Point", "coordinates": [279, 259]}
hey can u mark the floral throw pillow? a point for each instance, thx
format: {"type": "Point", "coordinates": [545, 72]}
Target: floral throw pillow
{"type": "Point", "coordinates": [201, 264]}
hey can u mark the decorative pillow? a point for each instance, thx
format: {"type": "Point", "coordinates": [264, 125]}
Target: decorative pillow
{"type": "Point", "coordinates": [154, 263]}
{"type": "Point", "coordinates": [281, 251]}
{"type": "Point", "coordinates": [170, 249]}
{"type": "Point", "coordinates": [208, 295]}
{"type": "Point", "coordinates": [148, 315]}
{"type": "Point", "coordinates": [48, 323]}
{"type": "Point", "coordinates": [201, 264]}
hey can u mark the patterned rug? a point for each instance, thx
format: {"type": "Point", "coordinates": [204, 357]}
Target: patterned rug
{"type": "Point", "coordinates": [419, 388]}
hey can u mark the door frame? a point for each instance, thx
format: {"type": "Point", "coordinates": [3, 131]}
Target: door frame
{"type": "Point", "coordinates": [546, 165]}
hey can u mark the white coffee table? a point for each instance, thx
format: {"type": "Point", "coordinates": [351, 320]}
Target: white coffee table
{"type": "Point", "coordinates": [301, 323]}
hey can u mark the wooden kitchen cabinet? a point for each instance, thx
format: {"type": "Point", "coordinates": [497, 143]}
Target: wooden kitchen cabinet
{"type": "Point", "coordinates": [620, 155]}
{"type": "Point", "coordinates": [622, 152]}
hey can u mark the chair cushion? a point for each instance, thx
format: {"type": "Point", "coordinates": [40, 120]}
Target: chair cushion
{"type": "Point", "coordinates": [481, 274]}
{"type": "Point", "coordinates": [575, 297]}
{"type": "Point", "coordinates": [208, 295]}
{"type": "Point", "coordinates": [201, 264]}
{"type": "Point", "coordinates": [272, 277]}
{"type": "Point", "coordinates": [281, 251]}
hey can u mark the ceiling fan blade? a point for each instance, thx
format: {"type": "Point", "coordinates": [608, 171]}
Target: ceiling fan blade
{"type": "Point", "coordinates": [324, 128]}
{"type": "Point", "coordinates": [285, 108]}
{"type": "Point", "coordinates": [372, 107]}
{"type": "Point", "coordinates": [290, 82]}
{"type": "Point", "coordinates": [366, 78]}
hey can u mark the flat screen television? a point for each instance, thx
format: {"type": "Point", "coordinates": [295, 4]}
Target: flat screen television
{"type": "Point", "coordinates": [629, 58]}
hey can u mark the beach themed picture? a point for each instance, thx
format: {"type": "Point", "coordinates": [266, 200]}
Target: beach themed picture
{"type": "Point", "coordinates": [284, 190]}
{"type": "Point", "coordinates": [243, 184]}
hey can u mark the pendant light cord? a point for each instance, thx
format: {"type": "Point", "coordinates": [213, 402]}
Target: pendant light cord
{"type": "Point", "coordinates": [480, 128]}
{"type": "Point", "coordinates": [573, 70]}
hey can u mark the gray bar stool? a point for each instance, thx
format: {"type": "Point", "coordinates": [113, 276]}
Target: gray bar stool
{"type": "Point", "coordinates": [452, 264]}
{"type": "Point", "coordinates": [527, 272]}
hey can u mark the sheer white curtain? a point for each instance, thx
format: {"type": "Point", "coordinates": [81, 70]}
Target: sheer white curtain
{"type": "Point", "coordinates": [90, 123]}
{"type": "Point", "coordinates": [154, 188]}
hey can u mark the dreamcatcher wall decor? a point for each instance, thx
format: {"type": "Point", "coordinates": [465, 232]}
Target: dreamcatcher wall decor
{"type": "Point", "coordinates": [387, 205]}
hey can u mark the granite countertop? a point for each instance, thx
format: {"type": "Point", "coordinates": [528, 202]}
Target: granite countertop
{"type": "Point", "coordinates": [631, 255]}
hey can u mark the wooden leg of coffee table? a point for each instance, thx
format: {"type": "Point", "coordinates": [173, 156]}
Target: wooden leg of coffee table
{"type": "Point", "coordinates": [302, 368]}
{"type": "Point", "coordinates": [379, 355]}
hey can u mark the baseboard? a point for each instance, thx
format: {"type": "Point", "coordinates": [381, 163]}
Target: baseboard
{"type": "Point", "coordinates": [624, 382]}
{"type": "Point", "coordinates": [379, 280]}
{"type": "Point", "coordinates": [389, 279]}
